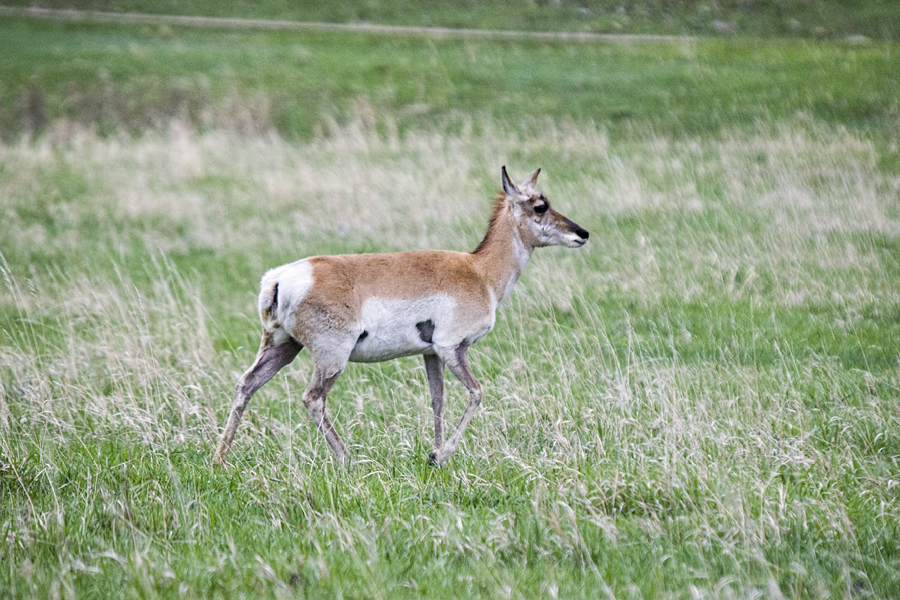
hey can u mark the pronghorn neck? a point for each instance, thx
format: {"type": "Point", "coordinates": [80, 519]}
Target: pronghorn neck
{"type": "Point", "coordinates": [502, 254]}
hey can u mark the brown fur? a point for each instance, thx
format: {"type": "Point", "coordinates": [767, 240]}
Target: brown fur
{"type": "Point", "coordinates": [499, 206]}
{"type": "Point", "coordinates": [344, 282]}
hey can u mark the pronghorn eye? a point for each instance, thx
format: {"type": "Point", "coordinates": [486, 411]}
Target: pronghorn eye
{"type": "Point", "coordinates": [541, 208]}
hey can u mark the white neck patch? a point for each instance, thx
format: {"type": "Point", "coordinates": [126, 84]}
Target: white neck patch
{"type": "Point", "coordinates": [522, 255]}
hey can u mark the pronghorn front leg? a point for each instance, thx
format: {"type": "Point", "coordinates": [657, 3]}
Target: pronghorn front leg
{"type": "Point", "coordinates": [434, 369]}
{"type": "Point", "coordinates": [269, 360]}
{"type": "Point", "coordinates": [458, 362]}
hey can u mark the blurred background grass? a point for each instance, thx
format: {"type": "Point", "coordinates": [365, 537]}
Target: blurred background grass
{"type": "Point", "coordinates": [760, 18]}
{"type": "Point", "coordinates": [134, 77]}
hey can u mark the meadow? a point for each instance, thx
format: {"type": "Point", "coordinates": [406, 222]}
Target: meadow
{"type": "Point", "coordinates": [831, 19]}
{"type": "Point", "coordinates": [701, 402]}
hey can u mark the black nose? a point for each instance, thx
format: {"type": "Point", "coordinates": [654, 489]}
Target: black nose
{"type": "Point", "coordinates": [582, 233]}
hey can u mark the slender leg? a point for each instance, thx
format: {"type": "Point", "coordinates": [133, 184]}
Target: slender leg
{"type": "Point", "coordinates": [269, 360]}
{"type": "Point", "coordinates": [314, 399]}
{"type": "Point", "coordinates": [458, 362]}
{"type": "Point", "coordinates": [434, 369]}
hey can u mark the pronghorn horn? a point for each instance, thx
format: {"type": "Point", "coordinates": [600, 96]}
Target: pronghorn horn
{"type": "Point", "coordinates": [508, 186]}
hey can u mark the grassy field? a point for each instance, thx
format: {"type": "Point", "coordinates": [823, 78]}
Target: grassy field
{"type": "Point", "coordinates": [702, 402]}
{"type": "Point", "coordinates": [112, 78]}
{"type": "Point", "coordinates": [879, 19]}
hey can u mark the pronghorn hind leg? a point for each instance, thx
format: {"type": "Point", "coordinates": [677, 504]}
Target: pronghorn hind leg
{"type": "Point", "coordinates": [434, 369]}
{"type": "Point", "coordinates": [269, 360]}
{"type": "Point", "coordinates": [314, 399]}
{"type": "Point", "coordinates": [458, 362]}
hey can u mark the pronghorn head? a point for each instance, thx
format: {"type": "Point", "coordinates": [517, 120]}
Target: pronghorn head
{"type": "Point", "coordinates": [537, 223]}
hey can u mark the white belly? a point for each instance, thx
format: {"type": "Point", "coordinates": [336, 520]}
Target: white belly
{"type": "Point", "coordinates": [390, 326]}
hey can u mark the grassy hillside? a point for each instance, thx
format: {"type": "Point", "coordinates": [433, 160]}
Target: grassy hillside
{"type": "Point", "coordinates": [700, 402]}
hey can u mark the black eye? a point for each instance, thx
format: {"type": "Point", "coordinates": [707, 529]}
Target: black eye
{"type": "Point", "coordinates": [541, 208]}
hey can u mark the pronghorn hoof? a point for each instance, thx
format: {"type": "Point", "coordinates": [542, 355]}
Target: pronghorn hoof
{"type": "Point", "coordinates": [438, 458]}
{"type": "Point", "coordinates": [218, 458]}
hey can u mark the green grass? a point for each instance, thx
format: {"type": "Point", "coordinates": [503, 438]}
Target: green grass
{"type": "Point", "coordinates": [702, 401]}
{"type": "Point", "coordinates": [762, 18]}
{"type": "Point", "coordinates": [135, 77]}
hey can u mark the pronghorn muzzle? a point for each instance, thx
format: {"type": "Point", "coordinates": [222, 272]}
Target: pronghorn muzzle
{"type": "Point", "coordinates": [578, 230]}
{"type": "Point", "coordinates": [571, 234]}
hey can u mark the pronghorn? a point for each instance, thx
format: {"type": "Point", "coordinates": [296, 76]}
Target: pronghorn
{"type": "Point", "coordinates": [375, 307]}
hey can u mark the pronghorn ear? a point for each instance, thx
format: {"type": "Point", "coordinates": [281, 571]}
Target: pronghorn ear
{"type": "Point", "coordinates": [532, 179]}
{"type": "Point", "coordinates": [509, 187]}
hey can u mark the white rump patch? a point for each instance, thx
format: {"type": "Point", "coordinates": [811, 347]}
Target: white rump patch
{"type": "Point", "coordinates": [283, 288]}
